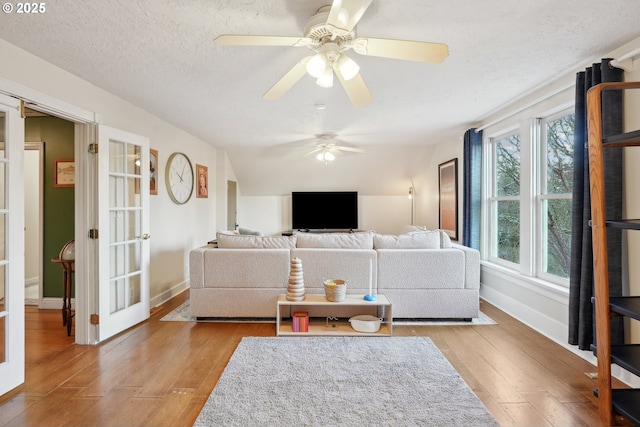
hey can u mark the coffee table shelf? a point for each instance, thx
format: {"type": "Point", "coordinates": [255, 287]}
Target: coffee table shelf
{"type": "Point", "coordinates": [318, 325]}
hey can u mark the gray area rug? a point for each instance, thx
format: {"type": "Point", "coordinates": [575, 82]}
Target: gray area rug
{"type": "Point", "coordinates": [341, 381]}
{"type": "Point", "coordinates": [183, 314]}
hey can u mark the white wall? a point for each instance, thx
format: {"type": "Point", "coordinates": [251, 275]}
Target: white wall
{"type": "Point", "coordinates": [175, 229]}
{"type": "Point", "coordinates": [271, 215]}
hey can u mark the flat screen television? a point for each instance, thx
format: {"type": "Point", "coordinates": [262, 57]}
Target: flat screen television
{"type": "Point", "coordinates": [314, 210]}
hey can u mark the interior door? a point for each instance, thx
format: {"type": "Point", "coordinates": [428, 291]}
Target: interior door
{"type": "Point", "coordinates": [123, 230]}
{"type": "Point", "coordinates": [11, 245]}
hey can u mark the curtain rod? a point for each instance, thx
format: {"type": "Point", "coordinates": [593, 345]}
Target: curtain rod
{"type": "Point", "coordinates": [626, 61]}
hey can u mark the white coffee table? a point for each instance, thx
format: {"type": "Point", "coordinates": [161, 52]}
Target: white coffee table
{"type": "Point", "coordinates": [341, 327]}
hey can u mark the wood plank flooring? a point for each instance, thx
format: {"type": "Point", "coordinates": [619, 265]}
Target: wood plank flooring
{"type": "Point", "coordinates": [161, 373]}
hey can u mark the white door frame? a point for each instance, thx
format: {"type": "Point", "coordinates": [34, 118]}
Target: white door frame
{"type": "Point", "coordinates": [38, 146]}
{"type": "Point", "coordinates": [84, 193]}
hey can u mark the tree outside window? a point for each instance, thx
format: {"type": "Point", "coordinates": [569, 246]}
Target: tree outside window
{"type": "Point", "coordinates": [555, 194]}
{"type": "Point", "coordinates": [506, 198]}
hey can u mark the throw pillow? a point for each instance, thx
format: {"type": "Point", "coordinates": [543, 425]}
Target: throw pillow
{"type": "Point", "coordinates": [413, 240]}
{"type": "Point", "coordinates": [227, 232]}
{"type": "Point", "coordinates": [248, 232]}
{"type": "Point", "coordinates": [358, 240]}
{"type": "Point", "coordinates": [410, 228]}
{"type": "Point", "coordinates": [226, 241]}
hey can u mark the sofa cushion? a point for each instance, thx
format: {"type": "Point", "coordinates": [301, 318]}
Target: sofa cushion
{"type": "Point", "coordinates": [413, 240]}
{"type": "Point", "coordinates": [360, 240]}
{"type": "Point", "coordinates": [226, 241]}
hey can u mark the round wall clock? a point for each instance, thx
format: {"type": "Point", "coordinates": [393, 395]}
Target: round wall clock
{"type": "Point", "coordinates": [179, 178]}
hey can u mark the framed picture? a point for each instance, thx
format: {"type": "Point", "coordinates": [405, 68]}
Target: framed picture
{"type": "Point", "coordinates": [153, 172]}
{"type": "Point", "coordinates": [202, 178]}
{"type": "Point", "coordinates": [448, 192]}
{"type": "Point", "coordinates": [65, 173]}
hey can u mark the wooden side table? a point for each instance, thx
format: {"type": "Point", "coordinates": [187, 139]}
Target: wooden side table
{"type": "Point", "coordinates": [68, 267]}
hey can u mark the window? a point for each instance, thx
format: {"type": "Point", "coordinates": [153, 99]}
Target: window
{"type": "Point", "coordinates": [556, 149]}
{"type": "Point", "coordinates": [528, 196]}
{"type": "Point", "coordinates": [505, 198]}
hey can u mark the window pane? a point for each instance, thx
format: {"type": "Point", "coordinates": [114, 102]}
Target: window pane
{"type": "Point", "coordinates": [557, 241]}
{"type": "Point", "coordinates": [508, 229]}
{"type": "Point", "coordinates": [508, 166]}
{"type": "Point", "coordinates": [559, 134]}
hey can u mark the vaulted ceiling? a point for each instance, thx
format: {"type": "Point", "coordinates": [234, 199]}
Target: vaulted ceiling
{"type": "Point", "coordinates": [160, 56]}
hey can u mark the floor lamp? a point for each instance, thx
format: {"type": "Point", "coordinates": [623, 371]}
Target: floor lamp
{"type": "Point", "coordinates": [411, 192]}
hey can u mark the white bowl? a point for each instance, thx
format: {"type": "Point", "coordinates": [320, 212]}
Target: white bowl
{"type": "Point", "coordinates": [365, 323]}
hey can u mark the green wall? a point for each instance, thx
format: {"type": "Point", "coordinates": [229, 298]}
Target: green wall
{"type": "Point", "coordinates": [58, 209]}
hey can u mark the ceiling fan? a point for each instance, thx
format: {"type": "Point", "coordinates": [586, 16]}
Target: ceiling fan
{"type": "Point", "coordinates": [326, 148]}
{"type": "Point", "coordinates": [329, 34]}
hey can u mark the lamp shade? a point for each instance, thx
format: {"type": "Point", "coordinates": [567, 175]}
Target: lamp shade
{"type": "Point", "coordinates": [348, 67]}
{"type": "Point", "coordinates": [326, 78]}
{"type": "Point", "coordinates": [317, 64]}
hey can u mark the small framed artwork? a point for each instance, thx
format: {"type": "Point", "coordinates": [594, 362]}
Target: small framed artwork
{"type": "Point", "coordinates": [65, 173]}
{"type": "Point", "coordinates": [202, 178]}
{"type": "Point", "coordinates": [153, 172]}
{"type": "Point", "coordinates": [448, 193]}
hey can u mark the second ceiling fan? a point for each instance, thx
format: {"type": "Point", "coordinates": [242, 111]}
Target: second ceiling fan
{"type": "Point", "coordinates": [329, 34]}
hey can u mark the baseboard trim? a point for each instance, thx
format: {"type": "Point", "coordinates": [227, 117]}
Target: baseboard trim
{"type": "Point", "coordinates": [56, 303]}
{"type": "Point", "coordinates": [50, 303]}
{"type": "Point", "coordinates": [169, 293]}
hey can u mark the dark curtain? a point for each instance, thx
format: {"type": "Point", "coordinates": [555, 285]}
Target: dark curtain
{"type": "Point", "coordinates": [472, 188]}
{"type": "Point", "coordinates": [581, 284]}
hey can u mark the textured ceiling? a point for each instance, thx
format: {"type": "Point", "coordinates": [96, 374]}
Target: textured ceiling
{"type": "Point", "coordinates": [160, 56]}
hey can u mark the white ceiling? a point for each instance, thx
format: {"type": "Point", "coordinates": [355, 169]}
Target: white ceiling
{"type": "Point", "coordinates": [160, 56]}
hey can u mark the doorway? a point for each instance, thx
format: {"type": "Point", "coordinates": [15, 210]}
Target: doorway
{"type": "Point", "coordinates": [49, 206]}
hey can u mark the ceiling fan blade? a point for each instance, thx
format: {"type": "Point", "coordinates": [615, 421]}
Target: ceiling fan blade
{"type": "Point", "coordinates": [356, 89]}
{"type": "Point", "coordinates": [288, 80]}
{"type": "Point", "coordinates": [315, 150]}
{"type": "Point", "coordinates": [352, 149]}
{"type": "Point", "coordinates": [251, 40]}
{"type": "Point", "coordinates": [345, 14]}
{"type": "Point", "coordinates": [402, 49]}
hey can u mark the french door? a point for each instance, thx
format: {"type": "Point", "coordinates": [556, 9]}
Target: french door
{"type": "Point", "coordinates": [123, 230]}
{"type": "Point", "coordinates": [11, 244]}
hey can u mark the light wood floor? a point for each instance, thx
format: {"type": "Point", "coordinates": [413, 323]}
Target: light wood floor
{"type": "Point", "coordinates": [161, 373]}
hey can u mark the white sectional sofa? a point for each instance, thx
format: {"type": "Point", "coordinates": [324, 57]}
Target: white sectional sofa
{"type": "Point", "coordinates": [422, 272]}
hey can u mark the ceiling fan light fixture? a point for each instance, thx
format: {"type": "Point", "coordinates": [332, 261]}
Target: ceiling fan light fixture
{"type": "Point", "coordinates": [325, 156]}
{"type": "Point", "coordinates": [326, 78]}
{"type": "Point", "coordinates": [317, 65]}
{"type": "Point", "coordinates": [348, 67]}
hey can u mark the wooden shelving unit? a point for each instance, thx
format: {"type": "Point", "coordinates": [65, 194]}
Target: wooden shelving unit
{"type": "Point", "coordinates": [625, 402]}
{"type": "Point", "coordinates": [318, 326]}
